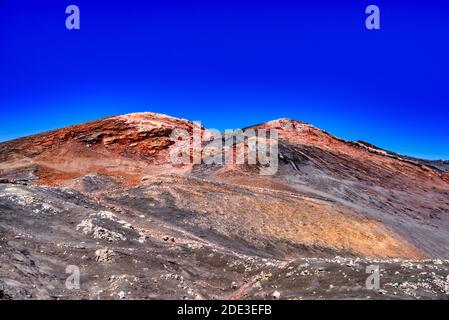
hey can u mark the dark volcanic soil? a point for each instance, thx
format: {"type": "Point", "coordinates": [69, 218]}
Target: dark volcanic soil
{"type": "Point", "coordinates": [154, 253]}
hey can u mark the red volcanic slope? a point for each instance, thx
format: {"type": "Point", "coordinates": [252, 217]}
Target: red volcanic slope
{"type": "Point", "coordinates": [328, 193]}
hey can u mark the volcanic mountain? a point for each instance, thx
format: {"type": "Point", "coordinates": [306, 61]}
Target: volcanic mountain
{"type": "Point", "coordinates": [104, 196]}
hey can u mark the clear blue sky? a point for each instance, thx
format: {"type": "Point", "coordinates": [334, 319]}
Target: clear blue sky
{"type": "Point", "coordinates": [232, 64]}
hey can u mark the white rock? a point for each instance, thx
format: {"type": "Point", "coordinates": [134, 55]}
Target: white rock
{"type": "Point", "coordinates": [276, 294]}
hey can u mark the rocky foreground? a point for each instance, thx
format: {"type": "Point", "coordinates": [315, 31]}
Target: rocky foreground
{"type": "Point", "coordinates": [127, 254]}
{"type": "Point", "coordinates": [103, 199]}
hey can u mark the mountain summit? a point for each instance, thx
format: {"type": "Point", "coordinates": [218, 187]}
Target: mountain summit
{"type": "Point", "coordinates": [104, 195]}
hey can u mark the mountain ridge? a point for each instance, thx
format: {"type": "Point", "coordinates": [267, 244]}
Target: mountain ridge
{"type": "Point", "coordinates": [110, 186]}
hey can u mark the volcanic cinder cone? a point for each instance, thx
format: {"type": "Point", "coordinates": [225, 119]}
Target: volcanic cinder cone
{"type": "Point", "coordinates": [105, 196]}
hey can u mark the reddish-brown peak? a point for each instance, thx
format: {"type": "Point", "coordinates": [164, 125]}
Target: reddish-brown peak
{"type": "Point", "coordinates": [148, 120]}
{"type": "Point", "coordinates": [289, 124]}
{"type": "Point", "coordinates": [293, 129]}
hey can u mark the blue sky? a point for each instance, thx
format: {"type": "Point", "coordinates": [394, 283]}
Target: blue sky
{"type": "Point", "coordinates": [232, 64]}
